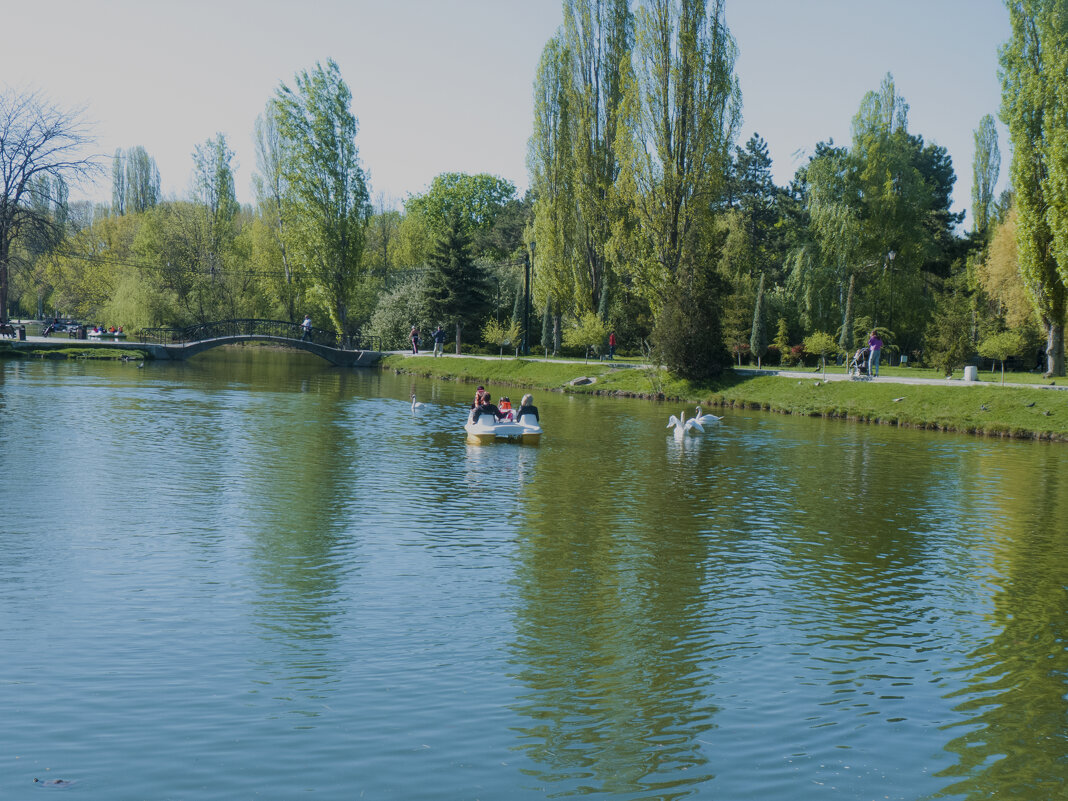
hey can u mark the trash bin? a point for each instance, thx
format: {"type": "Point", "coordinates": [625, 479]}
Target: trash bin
{"type": "Point", "coordinates": [83, 332]}
{"type": "Point", "coordinates": [22, 333]}
{"type": "Point", "coordinates": [971, 373]}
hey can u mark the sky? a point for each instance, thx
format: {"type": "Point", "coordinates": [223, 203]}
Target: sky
{"type": "Point", "coordinates": [446, 85]}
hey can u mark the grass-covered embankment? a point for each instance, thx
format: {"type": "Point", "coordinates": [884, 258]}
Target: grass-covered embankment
{"type": "Point", "coordinates": [975, 408]}
{"type": "Point", "coordinates": [69, 352]}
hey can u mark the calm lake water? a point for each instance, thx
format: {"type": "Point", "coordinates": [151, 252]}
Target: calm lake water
{"type": "Point", "coordinates": [257, 576]}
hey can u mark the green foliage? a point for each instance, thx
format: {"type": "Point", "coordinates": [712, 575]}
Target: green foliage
{"type": "Point", "coordinates": [499, 334]}
{"type": "Point", "coordinates": [821, 344]}
{"type": "Point", "coordinates": [888, 193]}
{"type": "Point", "coordinates": [1001, 346]}
{"type": "Point", "coordinates": [397, 311]}
{"type": "Point", "coordinates": [589, 331]}
{"type": "Point", "coordinates": [485, 204]}
{"type": "Point", "coordinates": [948, 338]}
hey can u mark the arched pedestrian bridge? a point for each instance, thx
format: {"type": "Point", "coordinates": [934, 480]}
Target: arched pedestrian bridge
{"type": "Point", "coordinates": [180, 343]}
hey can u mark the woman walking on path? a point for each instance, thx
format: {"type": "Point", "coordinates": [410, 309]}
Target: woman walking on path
{"type": "Point", "coordinates": [414, 337]}
{"type": "Point", "coordinates": [875, 344]}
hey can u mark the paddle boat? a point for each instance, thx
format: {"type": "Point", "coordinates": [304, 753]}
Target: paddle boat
{"type": "Point", "coordinates": [101, 333]}
{"type": "Point", "coordinates": [488, 430]}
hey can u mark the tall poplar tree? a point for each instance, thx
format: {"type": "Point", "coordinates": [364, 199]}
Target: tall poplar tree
{"type": "Point", "coordinates": [118, 183]}
{"type": "Point", "coordinates": [272, 194]}
{"type": "Point", "coordinates": [682, 107]}
{"type": "Point", "coordinates": [142, 180]}
{"type": "Point", "coordinates": [1032, 109]}
{"type": "Point", "coordinates": [328, 197]}
{"type": "Point", "coordinates": [597, 36]}
{"type": "Point", "coordinates": [549, 160]}
{"type": "Point", "coordinates": [986, 166]}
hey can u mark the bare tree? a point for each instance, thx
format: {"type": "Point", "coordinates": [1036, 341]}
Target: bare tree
{"type": "Point", "coordinates": [37, 141]}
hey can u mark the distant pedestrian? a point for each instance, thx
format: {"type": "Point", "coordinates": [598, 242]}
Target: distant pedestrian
{"type": "Point", "coordinates": [307, 327]}
{"type": "Point", "coordinates": [439, 341]}
{"type": "Point", "coordinates": [875, 344]}
{"type": "Point", "coordinates": [414, 337]}
{"type": "Point", "coordinates": [611, 344]}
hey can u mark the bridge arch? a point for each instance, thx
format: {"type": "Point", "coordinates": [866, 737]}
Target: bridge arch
{"type": "Point", "coordinates": [182, 343]}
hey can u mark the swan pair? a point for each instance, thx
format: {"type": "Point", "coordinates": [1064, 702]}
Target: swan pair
{"type": "Point", "coordinates": [683, 426]}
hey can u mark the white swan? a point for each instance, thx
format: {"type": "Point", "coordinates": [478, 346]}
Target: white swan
{"type": "Point", "coordinates": [682, 425]}
{"type": "Point", "coordinates": [416, 404]}
{"type": "Point", "coordinates": [706, 419]}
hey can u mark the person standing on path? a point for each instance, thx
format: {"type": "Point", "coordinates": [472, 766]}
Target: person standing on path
{"type": "Point", "coordinates": [307, 326]}
{"type": "Point", "coordinates": [439, 341]}
{"type": "Point", "coordinates": [611, 344]}
{"type": "Point", "coordinates": [414, 337]}
{"type": "Point", "coordinates": [875, 345]}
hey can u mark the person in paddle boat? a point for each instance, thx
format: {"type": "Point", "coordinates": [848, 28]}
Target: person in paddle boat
{"type": "Point", "coordinates": [527, 409]}
{"type": "Point", "coordinates": [479, 394]}
{"type": "Point", "coordinates": [487, 407]}
{"type": "Point", "coordinates": [506, 408]}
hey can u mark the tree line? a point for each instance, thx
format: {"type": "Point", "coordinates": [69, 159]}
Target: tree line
{"type": "Point", "coordinates": [644, 216]}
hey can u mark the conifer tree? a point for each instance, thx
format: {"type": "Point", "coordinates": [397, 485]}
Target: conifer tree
{"type": "Point", "coordinates": [758, 340]}
{"type": "Point", "coordinates": [845, 340]}
{"type": "Point", "coordinates": [456, 288]}
{"type": "Point", "coordinates": [547, 326]}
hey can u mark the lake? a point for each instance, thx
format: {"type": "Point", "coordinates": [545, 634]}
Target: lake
{"type": "Point", "coordinates": [253, 575]}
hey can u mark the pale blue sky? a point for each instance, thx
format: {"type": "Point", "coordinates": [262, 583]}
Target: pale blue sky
{"type": "Point", "coordinates": [445, 85]}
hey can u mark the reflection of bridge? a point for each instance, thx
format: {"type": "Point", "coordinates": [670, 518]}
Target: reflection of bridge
{"type": "Point", "coordinates": [181, 343]}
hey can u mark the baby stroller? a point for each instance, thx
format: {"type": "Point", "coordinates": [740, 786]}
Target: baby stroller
{"type": "Point", "coordinates": [858, 368]}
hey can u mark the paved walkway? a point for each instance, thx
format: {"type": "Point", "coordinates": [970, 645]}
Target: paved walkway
{"type": "Point", "coordinates": [899, 379]}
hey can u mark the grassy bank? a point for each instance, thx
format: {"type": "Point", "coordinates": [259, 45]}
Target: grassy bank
{"type": "Point", "coordinates": [987, 408]}
{"type": "Point", "coordinates": [72, 352]}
